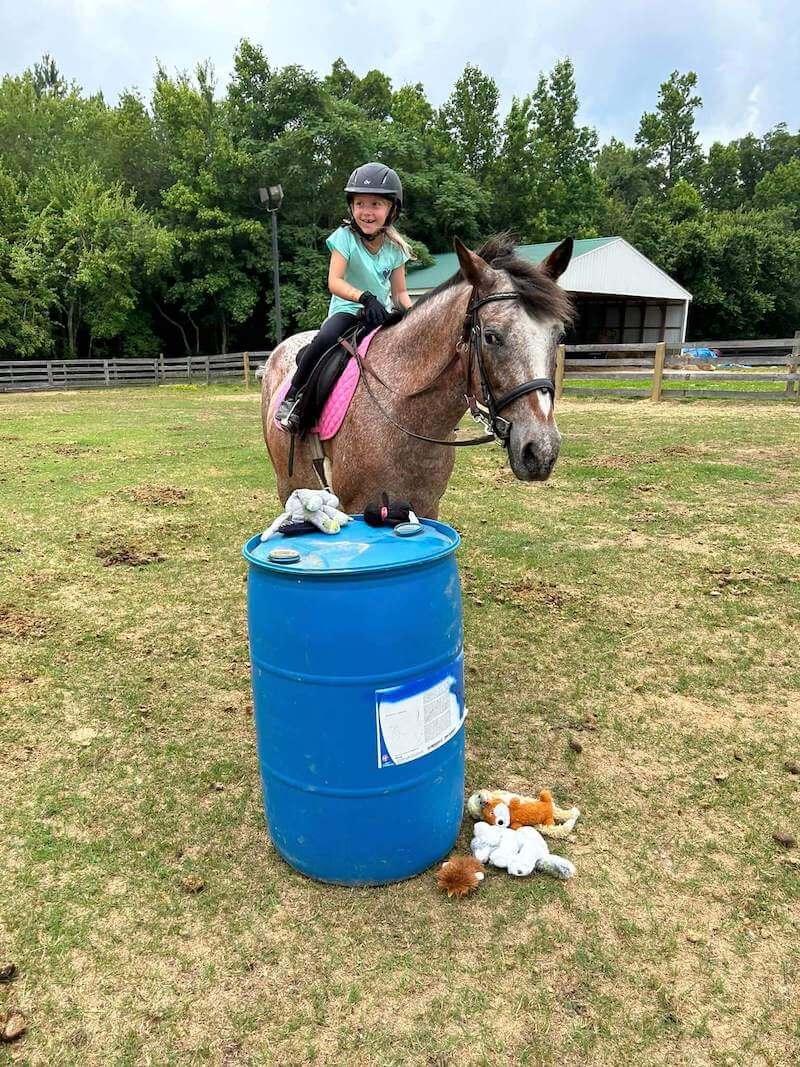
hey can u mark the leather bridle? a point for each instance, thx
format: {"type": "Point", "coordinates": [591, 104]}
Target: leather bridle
{"type": "Point", "coordinates": [470, 351]}
{"type": "Point", "coordinates": [488, 412]}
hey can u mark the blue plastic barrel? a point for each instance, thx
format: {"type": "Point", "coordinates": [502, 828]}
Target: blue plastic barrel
{"type": "Point", "coordinates": [356, 643]}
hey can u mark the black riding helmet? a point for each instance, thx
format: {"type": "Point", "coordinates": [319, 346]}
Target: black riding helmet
{"type": "Point", "coordinates": [378, 180]}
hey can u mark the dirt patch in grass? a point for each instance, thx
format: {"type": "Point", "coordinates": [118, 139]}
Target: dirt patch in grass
{"type": "Point", "coordinates": [74, 450]}
{"type": "Point", "coordinates": [532, 589]}
{"type": "Point", "coordinates": [767, 455]}
{"type": "Point", "coordinates": [19, 624]}
{"type": "Point", "coordinates": [637, 459]}
{"type": "Point", "coordinates": [693, 545]}
{"type": "Point", "coordinates": [529, 588]}
{"type": "Point", "coordinates": [158, 495]}
{"type": "Point", "coordinates": [127, 555]}
{"type": "Point", "coordinates": [728, 577]}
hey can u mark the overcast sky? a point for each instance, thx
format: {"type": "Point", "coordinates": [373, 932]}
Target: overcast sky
{"type": "Point", "coordinates": [744, 51]}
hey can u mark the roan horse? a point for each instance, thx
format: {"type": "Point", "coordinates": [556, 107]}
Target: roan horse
{"type": "Point", "coordinates": [452, 344]}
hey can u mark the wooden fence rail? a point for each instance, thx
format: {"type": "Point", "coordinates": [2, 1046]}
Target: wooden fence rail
{"type": "Point", "coordinates": [654, 366]}
{"type": "Point", "coordinates": [35, 375]}
{"type": "Point", "coordinates": [658, 365]}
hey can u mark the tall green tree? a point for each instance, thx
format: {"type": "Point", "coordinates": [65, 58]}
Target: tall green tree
{"type": "Point", "coordinates": [96, 250]}
{"type": "Point", "coordinates": [411, 110]}
{"type": "Point", "coordinates": [667, 137]}
{"type": "Point", "coordinates": [469, 118]}
{"type": "Point", "coordinates": [720, 182]}
{"type": "Point", "coordinates": [25, 298]}
{"type": "Point", "coordinates": [760, 155]}
{"type": "Point", "coordinates": [39, 128]}
{"type": "Point", "coordinates": [563, 153]}
{"type": "Point", "coordinates": [134, 154]}
{"type": "Point", "coordinates": [623, 174]}
{"type": "Point", "coordinates": [47, 80]}
{"type": "Point", "coordinates": [514, 183]}
{"type": "Point", "coordinates": [210, 209]}
{"type": "Point", "coordinates": [780, 190]}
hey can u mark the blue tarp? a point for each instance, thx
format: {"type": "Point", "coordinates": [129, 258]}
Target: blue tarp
{"type": "Point", "coordinates": [702, 354]}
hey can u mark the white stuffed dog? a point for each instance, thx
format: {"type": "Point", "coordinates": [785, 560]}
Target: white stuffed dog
{"type": "Point", "coordinates": [494, 844]}
{"type": "Point", "coordinates": [317, 506]}
{"type": "Point", "coordinates": [520, 852]}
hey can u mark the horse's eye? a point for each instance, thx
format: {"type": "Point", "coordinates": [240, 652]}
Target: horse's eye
{"type": "Point", "coordinates": [492, 337]}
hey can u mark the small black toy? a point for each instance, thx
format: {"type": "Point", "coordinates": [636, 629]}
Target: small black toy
{"type": "Point", "coordinates": [389, 513]}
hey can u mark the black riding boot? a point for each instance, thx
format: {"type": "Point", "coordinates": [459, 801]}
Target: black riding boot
{"type": "Point", "coordinates": [307, 359]}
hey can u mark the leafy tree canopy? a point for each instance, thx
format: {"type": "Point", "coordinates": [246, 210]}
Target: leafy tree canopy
{"type": "Point", "coordinates": [136, 227]}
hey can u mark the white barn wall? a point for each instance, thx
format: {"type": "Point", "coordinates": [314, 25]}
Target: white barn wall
{"type": "Point", "coordinates": [618, 269]}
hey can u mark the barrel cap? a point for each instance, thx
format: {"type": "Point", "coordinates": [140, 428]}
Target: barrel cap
{"type": "Point", "coordinates": [408, 529]}
{"type": "Point", "coordinates": [357, 548]}
{"type": "Point", "coordinates": [279, 554]}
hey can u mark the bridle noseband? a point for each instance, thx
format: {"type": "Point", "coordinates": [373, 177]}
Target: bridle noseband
{"type": "Point", "coordinates": [471, 343]}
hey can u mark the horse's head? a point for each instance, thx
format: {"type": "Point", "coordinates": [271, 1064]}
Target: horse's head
{"type": "Point", "coordinates": [519, 339]}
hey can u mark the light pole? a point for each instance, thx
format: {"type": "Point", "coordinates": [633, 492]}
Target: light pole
{"type": "Point", "coordinates": [272, 198]}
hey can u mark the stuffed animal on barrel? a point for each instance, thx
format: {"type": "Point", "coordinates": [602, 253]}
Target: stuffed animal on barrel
{"type": "Point", "coordinates": [390, 513]}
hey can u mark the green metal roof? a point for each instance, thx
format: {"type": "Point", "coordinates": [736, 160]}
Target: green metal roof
{"type": "Point", "coordinates": [446, 264]}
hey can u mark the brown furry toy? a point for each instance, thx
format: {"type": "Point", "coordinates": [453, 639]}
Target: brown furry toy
{"type": "Point", "coordinates": [524, 811]}
{"type": "Point", "coordinates": [460, 875]}
{"type": "Point", "coordinates": [543, 813]}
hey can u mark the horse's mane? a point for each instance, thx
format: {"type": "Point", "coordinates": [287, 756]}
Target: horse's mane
{"type": "Point", "coordinates": [537, 290]}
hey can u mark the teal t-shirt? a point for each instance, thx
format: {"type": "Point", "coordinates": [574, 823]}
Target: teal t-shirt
{"type": "Point", "coordinates": [365, 271]}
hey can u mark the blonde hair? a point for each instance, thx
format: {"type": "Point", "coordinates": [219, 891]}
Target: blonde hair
{"type": "Point", "coordinates": [397, 238]}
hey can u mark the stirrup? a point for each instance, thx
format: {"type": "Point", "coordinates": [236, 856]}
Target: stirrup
{"type": "Point", "coordinates": [288, 413]}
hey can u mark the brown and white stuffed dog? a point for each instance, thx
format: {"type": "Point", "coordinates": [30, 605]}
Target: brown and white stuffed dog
{"type": "Point", "coordinates": [541, 812]}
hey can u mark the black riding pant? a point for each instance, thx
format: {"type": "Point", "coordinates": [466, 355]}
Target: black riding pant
{"type": "Point", "coordinates": [329, 333]}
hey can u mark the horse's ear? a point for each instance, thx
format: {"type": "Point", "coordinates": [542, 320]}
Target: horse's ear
{"type": "Point", "coordinates": [474, 269]}
{"type": "Point", "coordinates": [558, 260]}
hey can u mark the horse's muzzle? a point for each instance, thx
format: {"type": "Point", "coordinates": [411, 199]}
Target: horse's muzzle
{"type": "Point", "coordinates": [533, 460]}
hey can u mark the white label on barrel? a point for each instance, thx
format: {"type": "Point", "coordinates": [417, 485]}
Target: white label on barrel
{"type": "Point", "coordinates": [418, 717]}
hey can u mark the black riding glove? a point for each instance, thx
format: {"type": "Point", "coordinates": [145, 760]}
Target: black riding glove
{"type": "Point", "coordinates": [375, 314]}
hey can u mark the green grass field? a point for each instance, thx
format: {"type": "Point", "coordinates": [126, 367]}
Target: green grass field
{"type": "Point", "coordinates": [644, 602]}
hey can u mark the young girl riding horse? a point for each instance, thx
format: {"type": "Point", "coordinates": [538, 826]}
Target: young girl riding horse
{"type": "Point", "coordinates": [366, 272]}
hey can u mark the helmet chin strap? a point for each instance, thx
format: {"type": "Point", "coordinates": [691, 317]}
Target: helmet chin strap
{"type": "Point", "coordinates": [365, 237]}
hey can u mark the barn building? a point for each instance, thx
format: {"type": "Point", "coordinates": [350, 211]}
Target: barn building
{"type": "Point", "coordinates": [621, 296]}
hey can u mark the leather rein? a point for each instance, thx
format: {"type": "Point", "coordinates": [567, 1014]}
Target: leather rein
{"type": "Point", "coordinates": [487, 410]}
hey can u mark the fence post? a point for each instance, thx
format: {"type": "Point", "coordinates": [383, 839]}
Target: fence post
{"type": "Point", "coordinates": [658, 370]}
{"type": "Point", "coordinates": [794, 387]}
{"type": "Point", "coordinates": [161, 366]}
{"type": "Point", "coordinates": [105, 372]}
{"type": "Point", "coordinates": [561, 356]}
{"type": "Point", "coordinates": [207, 371]}
{"type": "Point", "coordinates": [246, 362]}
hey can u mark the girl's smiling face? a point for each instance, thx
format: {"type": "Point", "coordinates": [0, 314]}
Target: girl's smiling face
{"type": "Point", "coordinates": [371, 212]}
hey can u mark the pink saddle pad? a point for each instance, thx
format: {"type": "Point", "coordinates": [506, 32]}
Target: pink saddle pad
{"type": "Point", "coordinates": [335, 409]}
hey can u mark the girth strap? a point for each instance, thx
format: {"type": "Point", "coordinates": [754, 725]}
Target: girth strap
{"type": "Point", "coordinates": [320, 462]}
